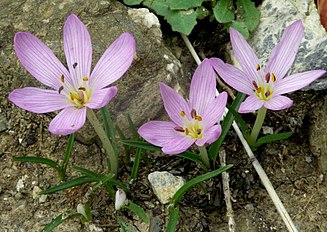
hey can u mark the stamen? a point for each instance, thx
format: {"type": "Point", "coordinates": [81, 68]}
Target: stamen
{"type": "Point", "coordinates": [267, 77]}
{"type": "Point", "coordinates": [74, 65]}
{"type": "Point", "coordinates": [259, 90]}
{"type": "Point", "coordinates": [62, 78]}
{"type": "Point", "coordinates": [179, 129]}
{"type": "Point", "coordinates": [267, 94]}
{"type": "Point", "coordinates": [193, 113]}
{"type": "Point", "coordinates": [198, 118]}
{"type": "Point", "coordinates": [71, 96]}
{"type": "Point", "coordinates": [257, 66]}
{"type": "Point", "coordinates": [255, 85]}
{"type": "Point", "coordinates": [273, 77]}
{"type": "Point", "coordinates": [182, 113]}
{"type": "Point", "coordinates": [60, 89]}
{"type": "Point", "coordinates": [85, 78]}
{"type": "Point", "coordinates": [199, 131]}
{"type": "Point", "coordinates": [187, 131]}
{"type": "Point", "coordinates": [82, 88]}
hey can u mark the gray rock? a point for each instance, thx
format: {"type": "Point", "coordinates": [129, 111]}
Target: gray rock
{"type": "Point", "coordinates": [276, 15]}
{"type": "Point", "coordinates": [138, 93]}
{"type": "Point", "coordinates": [165, 185]}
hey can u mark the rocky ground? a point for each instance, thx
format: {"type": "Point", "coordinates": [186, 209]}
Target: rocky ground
{"type": "Point", "coordinates": [296, 167]}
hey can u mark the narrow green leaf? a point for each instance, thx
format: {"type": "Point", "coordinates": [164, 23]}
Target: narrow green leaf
{"type": "Point", "coordinates": [274, 137]}
{"type": "Point", "coordinates": [108, 123]}
{"type": "Point", "coordinates": [138, 211]}
{"type": "Point", "coordinates": [226, 124]}
{"type": "Point", "coordinates": [224, 11]}
{"type": "Point", "coordinates": [178, 195]}
{"type": "Point", "coordinates": [40, 160]}
{"type": "Point", "coordinates": [248, 13]}
{"type": "Point", "coordinates": [240, 121]}
{"type": "Point", "coordinates": [58, 220]}
{"type": "Point", "coordinates": [88, 173]}
{"type": "Point", "coordinates": [183, 4]}
{"type": "Point", "coordinates": [182, 21]}
{"type": "Point", "coordinates": [69, 184]}
{"type": "Point", "coordinates": [136, 164]}
{"type": "Point", "coordinates": [141, 144]}
{"type": "Point", "coordinates": [68, 152]}
{"type": "Point", "coordinates": [132, 128]}
{"type": "Point", "coordinates": [173, 219]}
{"type": "Point", "coordinates": [132, 2]}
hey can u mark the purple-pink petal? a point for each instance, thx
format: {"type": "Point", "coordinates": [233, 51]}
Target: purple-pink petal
{"type": "Point", "coordinates": [283, 55]}
{"type": "Point", "coordinates": [233, 76]}
{"type": "Point", "coordinates": [39, 60]}
{"type": "Point", "coordinates": [174, 104]}
{"type": "Point", "coordinates": [78, 49]}
{"type": "Point", "coordinates": [203, 87]}
{"type": "Point", "coordinates": [215, 110]}
{"type": "Point", "coordinates": [177, 145]}
{"type": "Point", "coordinates": [158, 133]}
{"type": "Point", "coordinates": [211, 134]}
{"type": "Point", "coordinates": [244, 54]}
{"type": "Point", "coordinates": [114, 62]}
{"type": "Point", "coordinates": [297, 81]}
{"type": "Point", "coordinates": [38, 100]}
{"type": "Point", "coordinates": [101, 97]}
{"type": "Point", "coordinates": [251, 104]}
{"type": "Point", "coordinates": [68, 121]}
{"type": "Point", "coordinates": [278, 103]}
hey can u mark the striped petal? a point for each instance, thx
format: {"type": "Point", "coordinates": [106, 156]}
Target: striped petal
{"type": "Point", "coordinates": [278, 103]}
{"type": "Point", "coordinates": [39, 60]}
{"type": "Point", "coordinates": [297, 81]}
{"type": "Point", "coordinates": [203, 87]}
{"type": "Point", "coordinates": [114, 62]}
{"type": "Point", "coordinates": [174, 104]}
{"type": "Point", "coordinates": [215, 111]}
{"type": "Point", "coordinates": [210, 135]}
{"type": "Point", "coordinates": [244, 54]}
{"type": "Point", "coordinates": [38, 100]}
{"type": "Point", "coordinates": [233, 76]}
{"type": "Point", "coordinates": [68, 121]}
{"type": "Point", "coordinates": [78, 49]}
{"type": "Point", "coordinates": [102, 97]}
{"type": "Point", "coordinates": [177, 145]}
{"type": "Point", "coordinates": [283, 55]}
{"type": "Point", "coordinates": [251, 104]}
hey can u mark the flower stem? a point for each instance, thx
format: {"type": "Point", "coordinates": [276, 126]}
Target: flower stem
{"type": "Point", "coordinates": [257, 125]}
{"type": "Point", "coordinates": [112, 158]}
{"type": "Point", "coordinates": [204, 156]}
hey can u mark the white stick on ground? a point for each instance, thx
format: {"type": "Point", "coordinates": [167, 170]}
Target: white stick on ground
{"type": "Point", "coordinates": [225, 177]}
{"type": "Point", "coordinates": [262, 174]}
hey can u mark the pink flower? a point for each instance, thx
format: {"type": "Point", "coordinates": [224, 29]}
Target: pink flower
{"type": "Point", "coordinates": [76, 89]}
{"type": "Point", "coordinates": [265, 87]}
{"type": "Point", "coordinates": [193, 121]}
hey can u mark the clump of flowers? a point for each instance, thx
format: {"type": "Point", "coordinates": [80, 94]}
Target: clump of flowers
{"type": "Point", "coordinates": [193, 121]}
{"type": "Point", "coordinates": [75, 90]}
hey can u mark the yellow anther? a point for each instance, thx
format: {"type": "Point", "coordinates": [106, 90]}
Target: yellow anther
{"type": "Point", "coordinates": [259, 90]}
{"type": "Point", "coordinates": [82, 88]}
{"type": "Point", "coordinates": [198, 118]}
{"type": "Point", "coordinates": [273, 77]}
{"type": "Point", "coordinates": [187, 131]}
{"type": "Point", "coordinates": [257, 66]}
{"type": "Point", "coordinates": [62, 78]}
{"type": "Point", "coordinates": [85, 78]}
{"type": "Point", "coordinates": [182, 113]}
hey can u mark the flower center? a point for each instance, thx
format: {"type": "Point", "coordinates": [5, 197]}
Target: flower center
{"type": "Point", "coordinates": [264, 91]}
{"type": "Point", "coordinates": [192, 128]}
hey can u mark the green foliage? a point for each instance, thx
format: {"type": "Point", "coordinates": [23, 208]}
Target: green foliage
{"type": "Point", "coordinates": [58, 220]}
{"type": "Point", "coordinates": [182, 15]}
{"type": "Point", "coordinates": [173, 218]}
{"type": "Point", "coordinates": [138, 211]}
{"type": "Point", "coordinates": [274, 137]}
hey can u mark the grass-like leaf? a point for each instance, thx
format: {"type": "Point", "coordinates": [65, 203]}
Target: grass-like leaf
{"type": "Point", "coordinates": [240, 121]}
{"type": "Point", "coordinates": [39, 160]}
{"type": "Point", "coordinates": [136, 164]}
{"type": "Point", "coordinates": [58, 220]}
{"type": "Point", "coordinates": [173, 219]}
{"type": "Point", "coordinates": [226, 124]}
{"type": "Point", "coordinates": [179, 194]}
{"type": "Point", "coordinates": [138, 211]}
{"type": "Point", "coordinates": [69, 184]}
{"type": "Point", "coordinates": [274, 137]}
{"type": "Point", "coordinates": [68, 153]}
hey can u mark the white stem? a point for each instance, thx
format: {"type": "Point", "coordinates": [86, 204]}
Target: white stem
{"type": "Point", "coordinates": [262, 174]}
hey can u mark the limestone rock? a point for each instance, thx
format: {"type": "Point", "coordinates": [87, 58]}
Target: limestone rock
{"type": "Point", "coordinates": [276, 15]}
{"type": "Point", "coordinates": [138, 90]}
{"type": "Point", "coordinates": [165, 185]}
